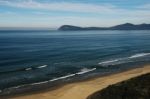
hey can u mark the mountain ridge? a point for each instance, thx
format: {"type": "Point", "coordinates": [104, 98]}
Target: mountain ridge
{"type": "Point", "coordinates": [126, 26]}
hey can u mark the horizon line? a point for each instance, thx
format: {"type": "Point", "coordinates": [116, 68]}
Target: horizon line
{"type": "Point", "coordinates": [55, 28]}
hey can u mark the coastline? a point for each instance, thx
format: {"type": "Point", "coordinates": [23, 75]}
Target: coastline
{"type": "Point", "coordinates": [82, 89]}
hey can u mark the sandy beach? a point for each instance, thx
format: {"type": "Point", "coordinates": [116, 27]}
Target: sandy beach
{"type": "Point", "coordinates": [81, 90]}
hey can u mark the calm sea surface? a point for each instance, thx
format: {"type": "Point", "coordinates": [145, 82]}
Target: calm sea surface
{"type": "Point", "coordinates": [36, 56]}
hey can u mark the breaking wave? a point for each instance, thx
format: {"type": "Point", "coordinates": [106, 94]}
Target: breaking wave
{"type": "Point", "coordinates": [85, 70]}
{"type": "Point", "coordinates": [123, 60]}
{"type": "Point", "coordinates": [42, 66]}
{"type": "Point", "coordinates": [139, 55]}
{"type": "Point", "coordinates": [23, 69]}
{"type": "Point", "coordinates": [82, 71]}
{"type": "Point", "coordinates": [63, 77]}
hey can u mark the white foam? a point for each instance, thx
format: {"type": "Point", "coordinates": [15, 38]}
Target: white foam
{"type": "Point", "coordinates": [16, 87]}
{"type": "Point", "coordinates": [63, 77]}
{"type": "Point", "coordinates": [113, 62]}
{"type": "Point", "coordinates": [123, 60]}
{"type": "Point", "coordinates": [139, 55]}
{"type": "Point", "coordinates": [85, 70]}
{"type": "Point", "coordinates": [42, 66]}
{"type": "Point", "coordinates": [39, 83]}
{"type": "Point", "coordinates": [28, 69]}
{"type": "Point", "coordinates": [108, 62]}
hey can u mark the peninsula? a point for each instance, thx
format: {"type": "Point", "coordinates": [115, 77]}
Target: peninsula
{"type": "Point", "coordinates": [126, 26]}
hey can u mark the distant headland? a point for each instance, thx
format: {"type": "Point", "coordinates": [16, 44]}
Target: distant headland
{"type": "Point", "coordinates": [126, 26]}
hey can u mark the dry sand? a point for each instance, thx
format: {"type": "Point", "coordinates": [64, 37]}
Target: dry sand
{"type": "Point", "coordinates": [81, 90]}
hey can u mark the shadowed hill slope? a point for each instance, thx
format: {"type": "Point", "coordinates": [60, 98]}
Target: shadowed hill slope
{"type": "Point", "coordinates": [135, 88]}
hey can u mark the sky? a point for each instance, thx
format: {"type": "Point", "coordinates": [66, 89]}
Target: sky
{"type": "Point", "coordinates": [54, 13]}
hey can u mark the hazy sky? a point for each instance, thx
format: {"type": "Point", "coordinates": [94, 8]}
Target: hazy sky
{"type": "Point", "coordinates": [53, 13]}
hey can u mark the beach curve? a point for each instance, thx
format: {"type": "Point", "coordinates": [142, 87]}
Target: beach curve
{"type": "Point", "coordinates": [81, 90]}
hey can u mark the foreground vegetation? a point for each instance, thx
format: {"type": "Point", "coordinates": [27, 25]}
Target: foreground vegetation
{"type": "Point", "coordinates": [135, 88]}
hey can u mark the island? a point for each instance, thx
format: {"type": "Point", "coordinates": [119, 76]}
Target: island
{"type": "Point", "coordinates": [126, 26]}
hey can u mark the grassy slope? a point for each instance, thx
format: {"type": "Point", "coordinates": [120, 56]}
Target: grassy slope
{"type": "Point", "coordinates": [135, 88]}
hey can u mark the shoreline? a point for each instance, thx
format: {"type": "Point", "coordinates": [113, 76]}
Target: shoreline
{"type": "Point", "coordinates": [82, 89]}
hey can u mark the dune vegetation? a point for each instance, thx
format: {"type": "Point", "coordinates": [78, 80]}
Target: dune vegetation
{"type": "Point", "coordinates": [135, 88]}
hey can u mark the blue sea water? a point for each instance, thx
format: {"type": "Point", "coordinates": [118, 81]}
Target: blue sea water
{"type": "Point", "coordinates": [30, 57]}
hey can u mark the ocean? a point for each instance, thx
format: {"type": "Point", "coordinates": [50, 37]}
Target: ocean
{"type": "Point", "coordinates": [38, 57]}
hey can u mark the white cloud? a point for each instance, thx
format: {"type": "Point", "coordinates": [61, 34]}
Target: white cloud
{"type": "Point", "coordinates": [77, 7]}
{"type": "Point", "coordinates": [106, 14]}
{"type": "Point", "coordinates": [60, 6]}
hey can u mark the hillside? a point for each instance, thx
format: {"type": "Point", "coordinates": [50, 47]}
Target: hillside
{"type": "Point", "coordinates": [135, 88]}
{"type": "Point", "coordinates": [126, 26]}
